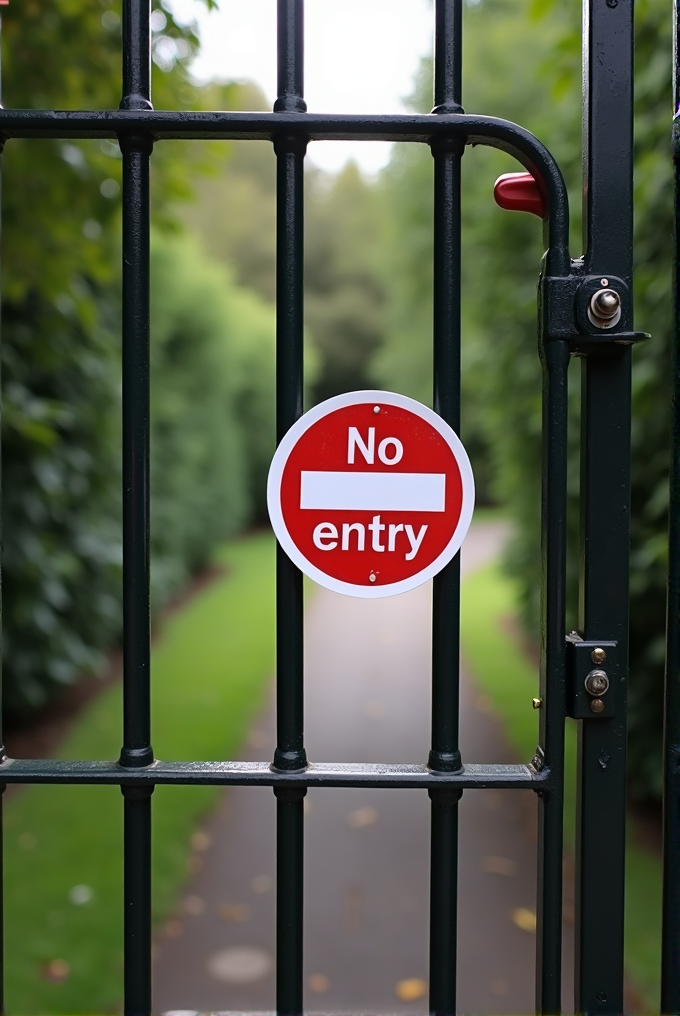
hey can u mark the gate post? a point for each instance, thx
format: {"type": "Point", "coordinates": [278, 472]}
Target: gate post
{"type": "Point", "coordinates": [670, 950]}
{"type": "Point", "coordinates": [604, 498]}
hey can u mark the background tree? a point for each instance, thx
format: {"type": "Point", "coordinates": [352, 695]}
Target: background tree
{"type": "Point", "coordinates": [60, 355]}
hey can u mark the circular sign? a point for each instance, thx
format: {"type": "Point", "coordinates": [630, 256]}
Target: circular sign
{"type": "Point", "coordinates": [370, 493]}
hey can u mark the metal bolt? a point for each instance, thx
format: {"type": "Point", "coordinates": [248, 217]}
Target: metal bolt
{"type": "Point", "coordinates": [598, 656]}
{"type": "Point", "coordinates": [605, 304]}
{"type": "Point", "coordinates": [537, 703]}
{"type": "Point", "coordinates": [597, 705]}
{"type": "Point", "coordinates": [604, 282]}
{"type": "Point", "coordinates": [597, 683]}
{"type": "Point", "coordinates": [371, 577]}
{"type": "Point", "coordinates": [376, 409]}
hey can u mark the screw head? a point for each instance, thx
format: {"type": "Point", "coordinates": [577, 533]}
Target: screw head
{"type": "Point", "coordinates": [597, 705]}
{"type": "Point", "coordinates": [376, 409]}
{"type": "Point", "coordinates": [605, 304]}
{"type": "Point", "coordinates": [537, 703]}
{"type": "Point", "coordinates": [598, 656]}
{"type": "Point", "coordinates": [371, 577]}
{"type": "Point", "coordinates": [597, 683]}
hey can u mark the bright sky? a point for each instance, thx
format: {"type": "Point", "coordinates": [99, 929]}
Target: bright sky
{"type": "Point", "coordinates": [360, 57]}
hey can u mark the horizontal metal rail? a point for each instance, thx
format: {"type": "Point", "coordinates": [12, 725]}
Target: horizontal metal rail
{"type": "Point", "coordinates": [260, 774]}
{"type": "Point", "coordinates": [423, 128]}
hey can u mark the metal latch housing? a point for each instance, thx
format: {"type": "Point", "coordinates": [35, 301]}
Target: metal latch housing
{"type": "Point", "coordinates": [592, 678]}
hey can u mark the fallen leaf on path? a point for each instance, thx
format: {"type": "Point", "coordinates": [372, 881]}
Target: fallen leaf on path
{"type": "Point", "coordinates": [319, 983]}
{"type": "Point", "coordinates": [411, 989]}
{"type": "Point", "coordinates": [234, 913]}
{"type": "Point", "coordinates": [484, 704]}
{"type": "Point", "coordinates": [56, 971]}
{"type": "Point", "coordinates": [362, 817]}
{"type": "Point", "coordinates": [261, 884]}
{"type": "Point", "coordinates": [194, 864]}
{"type": "Point", "coordinates": [524, 919]}
{"type": "Point", "coordinates": [172, 928]}
{"type": "Point", "coordinates": [200, 841]}
{"type": "Point", "coordinates": [499, 986]}
{"type": "Point", "coordinates": [499, 866]}
{"type": "Point", "coordinates": [194, 905]}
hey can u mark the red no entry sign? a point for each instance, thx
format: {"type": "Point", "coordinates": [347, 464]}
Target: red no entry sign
{"type": "Point", "coordinates": [370, 493]}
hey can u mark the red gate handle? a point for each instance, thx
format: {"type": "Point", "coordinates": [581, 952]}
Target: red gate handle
{"type": "Point", "coordinates": [518, 192]}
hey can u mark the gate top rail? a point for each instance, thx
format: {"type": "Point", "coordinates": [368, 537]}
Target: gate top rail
{"type": "Point", "coordinates": [424, 128]}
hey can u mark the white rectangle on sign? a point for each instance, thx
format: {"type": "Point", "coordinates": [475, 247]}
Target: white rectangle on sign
{"type": "Point", "coordinates": [386, 492]}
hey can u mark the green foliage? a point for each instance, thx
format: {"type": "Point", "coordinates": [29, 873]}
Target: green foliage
{"type": "Point", "coordinates": [61, 354]}
{"type": "Point", "coordinates": [536, 47]}
{"type": "Point", "coordinates": [212, 363]}
{"type": "Point", "coordinates": [52, 843]}
{"type": "Point", "coordinates": [235, 215]}
{"type": "Point", "coordinates": [345, 293]}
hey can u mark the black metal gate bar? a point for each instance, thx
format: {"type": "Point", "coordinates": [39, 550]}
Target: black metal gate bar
{"type": "Point", "coordinates": [605, 507]}
{"type": "Point", "coordinates": [670, 953]}
{"type": "Point", "coordinates": [3, 754]}
{"type": "Point", "coordinates": [136, 752]}
{"type": "Point", "coordinates": [555, 356]}
{"type": "Point", "coordinates": [445, 754]}
{"type": "Point", "coordinates": [290, 752]}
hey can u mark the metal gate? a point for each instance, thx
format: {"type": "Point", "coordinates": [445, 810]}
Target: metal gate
{"type": "Point", "coordinates": [585, 309]}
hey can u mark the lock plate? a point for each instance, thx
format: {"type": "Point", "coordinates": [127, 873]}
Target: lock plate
{"type": "Point", "coordinates": [583, 659]}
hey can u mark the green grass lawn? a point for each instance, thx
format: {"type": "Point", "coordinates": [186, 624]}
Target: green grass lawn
{"type": "Point", "coordinates": [210, 670]}
{"type": "Point", "coordinates": [504, 674]}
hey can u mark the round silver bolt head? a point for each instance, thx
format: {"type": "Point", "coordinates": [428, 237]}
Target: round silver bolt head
{"type": "Point", "coordinates": [605, 304]}
{"type": "Point", "coordinates": [597, 683]}
{"type": "Point", "coordinates": [598, 655]}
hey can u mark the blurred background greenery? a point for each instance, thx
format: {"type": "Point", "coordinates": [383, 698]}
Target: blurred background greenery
{"type": "Point", "coordinates": [368, 321]}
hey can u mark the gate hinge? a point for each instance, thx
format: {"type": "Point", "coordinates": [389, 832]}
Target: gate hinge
{"type": "Point", "coordinates": [592, 678]}
{"type": "Point", "coordinates": [589, 311]}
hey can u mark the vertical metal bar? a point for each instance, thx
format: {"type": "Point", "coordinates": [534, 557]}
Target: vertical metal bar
{"type": "Point", "coordinates": [555, 360]}
{"type": "Point", "coordinates": [289, 897]}
{"type": "Point", "coordinates": [605, 496]}
{"type": "Point", "coordinates": [670, 949]}
{"type": "Point", "coordinates": [2, 739]}
{"type": "Point", "coordinates": [136, 751]}
{"type": "Point", "coordinates": [290, 753]}
{"type": "Point", "coordinates": [445, 753]}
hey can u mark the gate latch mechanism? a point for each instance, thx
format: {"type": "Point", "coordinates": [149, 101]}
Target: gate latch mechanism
{"type": "Point", "coordinates": [591, 678]}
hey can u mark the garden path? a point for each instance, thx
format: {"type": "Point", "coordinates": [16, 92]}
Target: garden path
{"type": "Point", "coordinates": [366, 851]}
